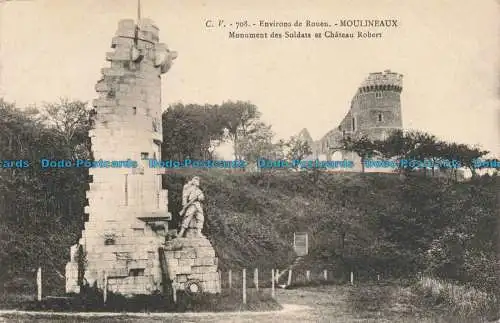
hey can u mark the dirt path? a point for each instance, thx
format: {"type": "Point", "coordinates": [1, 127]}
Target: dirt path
{"type": "Point", "coordinates": [313, 304]}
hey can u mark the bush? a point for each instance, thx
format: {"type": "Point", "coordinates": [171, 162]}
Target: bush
{"type": "Point", "coordinates": [462, 301]}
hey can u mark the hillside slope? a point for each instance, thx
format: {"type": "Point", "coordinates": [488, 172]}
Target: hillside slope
{"type": "Point", "coordinates": [364, 222]}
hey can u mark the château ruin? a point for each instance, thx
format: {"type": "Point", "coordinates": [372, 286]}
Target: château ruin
{"type": "Point", "coordinates": [375, 111]}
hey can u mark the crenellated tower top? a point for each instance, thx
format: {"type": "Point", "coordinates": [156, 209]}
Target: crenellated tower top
{"type": "Point", "coordinates": [382, 81]}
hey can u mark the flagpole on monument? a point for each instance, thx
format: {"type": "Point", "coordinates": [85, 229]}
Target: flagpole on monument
{"type": "Point", "coordinates": [138, 11]}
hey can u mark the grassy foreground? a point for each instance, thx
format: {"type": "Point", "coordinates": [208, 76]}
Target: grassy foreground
{"type": "Point", "coordinates": [227, 300]}
{"type": "Point", "coordinates": [424, 301]}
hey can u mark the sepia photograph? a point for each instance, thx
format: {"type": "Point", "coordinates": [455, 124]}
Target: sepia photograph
{"type": "Point", "coordinates": [240, 161]}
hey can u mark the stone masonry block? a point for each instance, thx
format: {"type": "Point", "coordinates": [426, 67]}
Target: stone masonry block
{"type": "Point", "coordinates": [126, 28]}
{"type": "Point", "coordinates": [173, 261]}
{"type": "Point", "coordinates": [184, 270]}
{"type": "Point", "coordinates": [211, 269]}
{"type": "Point", "coordinates": [126, 24]}
{"type": "Point", "coordinates": [121, 54]}
{"type": "Point", "coordinates": [199, 269]}
{"type": "Point", "coordinates": [148, 24]}
{"type": "Point", "coordinates": [208, 276]}
{"type": "Point", "coordinates": [129, 101]}
{"type": "Point", "coordinates": [206, 261]}
{"type": "Point", "coordinates": [106, 71]}
{"type": "Point", "coordinates": [102, 87]}
{"type": "Point", "coordinates": [124, 88]}
{"type": "Point", "coordinates": [210, 286]}
{"type": "Point", "coordinates": [188, 253]}
{"type": "Point", "coordinates": [196, 277]}
{"type": "Point", "coordinates": [122, 42]}
{"type": "Point", "coordinates": [103, 103]}
{"type": "Point", "coordinates": [170, 254]}
{"type": "Point", "coordinates": [186, 262]}
{"type": "Point", "coordinates": [214, 275]}
{"type": "Point", "coordinates": [203, 252]}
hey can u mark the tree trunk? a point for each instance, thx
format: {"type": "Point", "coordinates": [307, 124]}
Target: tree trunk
{"type": "Point", "coordinates": [235, 147]}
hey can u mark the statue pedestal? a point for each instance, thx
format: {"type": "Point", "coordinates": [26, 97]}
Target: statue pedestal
{"type": "Point", "coordinates": [191, 260]}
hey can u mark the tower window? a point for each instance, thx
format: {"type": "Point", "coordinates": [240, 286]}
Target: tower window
{"type": "Point", "coordinates": [353, 124]}
{"type": "Point", "coordinates": [378, 95]}
{"type": "Point", "coordinates": [134, 110]}
{"type": "Point", "coordinates": [144, 156]}
{"type": "Point", "coordinates": [109, 241]}
{"type": "Point", "coordinates": [380, 117]}
{"type": "Point", "coordinates": [136, 272]}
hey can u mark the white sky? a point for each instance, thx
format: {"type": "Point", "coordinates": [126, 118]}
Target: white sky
{"type": "Point", "coordinates": [447, 50]}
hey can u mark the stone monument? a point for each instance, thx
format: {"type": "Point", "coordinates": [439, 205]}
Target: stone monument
{"type": "Point", "coordinates": [191, 260]}
{"type": "Point", "coordinates": [127, 210]}
{"type": "Point", "coordinates": [123, 246]}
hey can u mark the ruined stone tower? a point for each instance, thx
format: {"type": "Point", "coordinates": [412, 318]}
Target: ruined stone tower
{"type": "Point", "coordinates": [375, 111]}
{"type": "Point", "coordinates": [127, 211]}
{"type": "Point", "coordinates": [376, 106]}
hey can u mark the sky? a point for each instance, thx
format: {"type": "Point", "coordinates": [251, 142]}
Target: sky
{"type": "Point", "coordinates": [448, 52]}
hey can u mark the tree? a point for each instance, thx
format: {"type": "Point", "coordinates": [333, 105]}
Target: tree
{"type": "Point", "coordinates": [469, 156]}
{"type": "Point", "coordinates": [240, 119]}
{"type": "Point", "coordinates": [395, 145]}
{"type": "Point", "coordinates": [362, 146]}
{"type": "Point", "coordinates": [421, 146]}
{"type": "Point", "coordinates": [37, 204]}
{"type": "Point", "coordinates": [297, 148]}
{"type": "Point", "coordinates": [412, 145]}
{"type": "Point", "coordinates": [190, 131]}
{"type": "Point", "coordinates": [71, 121]}
{"type": "Point", "coordinates": [257, 144]}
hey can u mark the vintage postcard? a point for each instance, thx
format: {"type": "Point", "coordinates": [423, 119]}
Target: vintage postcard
{"type": "Point", "coordinates": [273, 161]}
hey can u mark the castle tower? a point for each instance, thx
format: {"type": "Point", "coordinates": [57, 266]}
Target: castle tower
{"type": "Point", "coordinates": [376, 106]}
{"type": "Point", "coordinates": [127, 211]}
{"type": "Point", "coordinates": [375, 111]}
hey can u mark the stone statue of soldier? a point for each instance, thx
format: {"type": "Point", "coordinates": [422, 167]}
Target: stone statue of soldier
{"type": "Point", "coordinates": [192, 197]}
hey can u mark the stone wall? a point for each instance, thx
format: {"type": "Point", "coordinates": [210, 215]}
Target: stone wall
{"type": "Point", "coordinates": [192, 259]}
